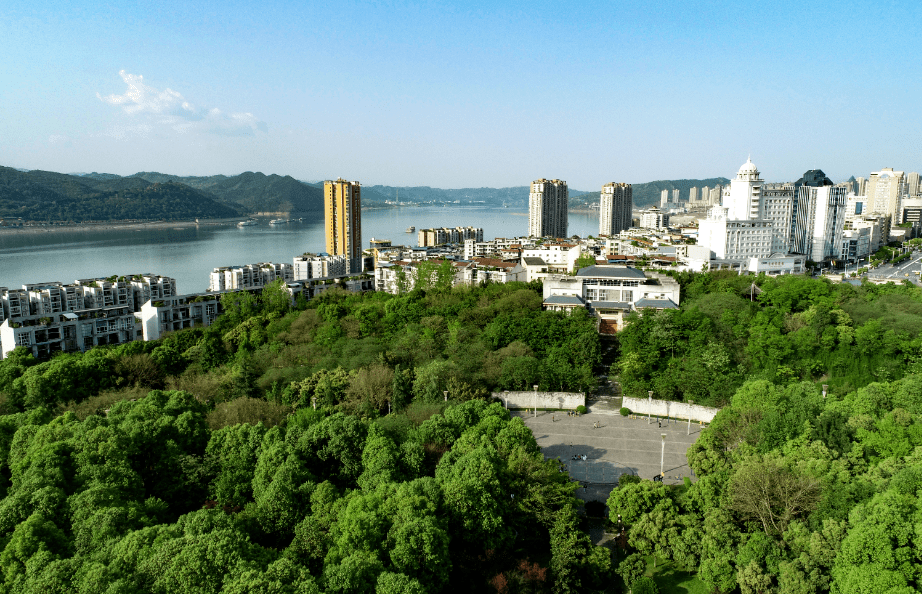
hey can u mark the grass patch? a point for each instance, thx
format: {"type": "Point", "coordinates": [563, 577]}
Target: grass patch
{"type": "Point", "coordinates": [671, 579]}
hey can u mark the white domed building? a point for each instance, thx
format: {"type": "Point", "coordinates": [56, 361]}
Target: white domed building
{"type": "Point", "coordinates": [747, 230]}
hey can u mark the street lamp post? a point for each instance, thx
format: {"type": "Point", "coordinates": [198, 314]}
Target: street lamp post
{"type": "Point", "coordinates": [649, 404]}
{"type": "Point", "coordinates": [662, 456]}
{"type": "Point", "coordinates": [690, 403]}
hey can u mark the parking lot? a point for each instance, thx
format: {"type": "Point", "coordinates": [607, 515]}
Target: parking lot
{"type": "Point", "coordinates": [613, 445]}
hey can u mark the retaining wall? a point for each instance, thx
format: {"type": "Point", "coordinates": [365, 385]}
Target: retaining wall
{"type": "Point", "coordinates": [666, 408]}
{"type": "Point", "coordinates": [551, 400]}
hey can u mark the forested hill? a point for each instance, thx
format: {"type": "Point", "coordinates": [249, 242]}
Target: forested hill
{"type": "Point", "coordinates": [49, 196]}
{"type": "Point", "coordinates": [254, 192]}
{"type": "Point", "coordinates": [198, 462]}
{"type": "Point", "coordinates": [648, 194]}
{"type": "Point", "coordinates": [231, 481]}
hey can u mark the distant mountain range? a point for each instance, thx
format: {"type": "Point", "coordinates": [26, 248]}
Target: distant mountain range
{"type": "Point", "coordinates": [645, 194]}
{"type": "Point", "coordinates": [515, 196]}
{"type": "Point", "coordinates": [48, 196]}
{"type": "Point", "coordinates": [254, 192]}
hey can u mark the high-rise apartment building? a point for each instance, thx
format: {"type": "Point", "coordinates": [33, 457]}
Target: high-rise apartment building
{"type": "Point", "coordinates": [676, 196]}
{"type": "Point", "coordinates": [654, 218]}
{"type": "Point", "coordinates": [777, 200]}
{"type": "Point", "coordinates": [342, 206]}
{"type": "Point", "coordinates": [885, 188]}
{"type": "Point", "coordinates": [615, 205]}
{"type": "Point", "coordinates": [861, 186]}
{"type": "Point", "coordinates": [663, 198]}
{"type": "Point", "coordinates": [692, 196]}
{"type": "Point", "coordinates": [548, 204]}
{"type": "Point", "coordinates": [714, 195]}
{"type": "Point", "coordinates": [912, 184]}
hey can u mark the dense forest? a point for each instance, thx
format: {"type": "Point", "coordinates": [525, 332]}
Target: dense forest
{"type": "Point", "coordinates": [48, 196]}
{"type": "Point", "coordinates": [732, 328]}
{"type": "Point", "coordinates": [198, 463]}
{"type": "Point", "coordinates": [795, 494]}
{"type": "Point", "coordinates": [312, 449]}
{"type": "Point", "coordinates": [798, 491]}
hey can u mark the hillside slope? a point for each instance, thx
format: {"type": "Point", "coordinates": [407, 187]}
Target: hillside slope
{"type": "Point", "coordinates": [49, 196]}
{"type": "Point", "coordinates": [254, 191]}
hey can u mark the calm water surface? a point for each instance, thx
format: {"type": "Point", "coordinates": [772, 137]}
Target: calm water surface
{"type": "Point", "coordinates": [189, 254]}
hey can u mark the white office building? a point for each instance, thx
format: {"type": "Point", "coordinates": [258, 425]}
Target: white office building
{"type": "Point", "coordinates": [818, 217]}
{"type": "Point", "coordinates": [738, 230]}
{"type": "Point", "coordinates": [610, 293]}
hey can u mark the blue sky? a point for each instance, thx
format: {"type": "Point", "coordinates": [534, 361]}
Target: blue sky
{"type": "Point", "coordinates": [460, 94]}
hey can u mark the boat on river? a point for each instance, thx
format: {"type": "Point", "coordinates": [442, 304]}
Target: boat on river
{"type": "Point", "coordinates": [247, 223]}
{"type": "Point", "coordinates": [278, 221]}
{"type": "Point", "coordinates": [411, 229]}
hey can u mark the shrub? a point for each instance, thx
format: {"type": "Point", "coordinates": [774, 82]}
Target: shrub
{"type": "Point", "coordinates": [97, 405]}
{"type": "Point", "coordinates": [644, 585]}
{"type": "Point", "coordinates": [581, 409]}
{"type": "Point", "coordinates": [628, 479]}
{"type": "Point", "coordinates": [625, 411]}
{"type": "Point", "coordinates": [247, 410]}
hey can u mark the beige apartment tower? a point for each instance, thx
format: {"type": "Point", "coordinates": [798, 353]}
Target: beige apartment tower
{"type": "Point", "coordinates": [885, 188]}
{"type": "Point", "coordinates": [615, 205]}
{"type": "Point", "coordinates": [342, 207]}
{"type": "Point", "coordinates": [548, 205]}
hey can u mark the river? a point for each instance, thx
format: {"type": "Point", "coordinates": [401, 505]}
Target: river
{"type": "Point", "coordinates": [188, 254]}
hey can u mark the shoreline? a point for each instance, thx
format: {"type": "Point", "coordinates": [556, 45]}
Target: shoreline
{"type": "Point", "coordinates": [113, 225]}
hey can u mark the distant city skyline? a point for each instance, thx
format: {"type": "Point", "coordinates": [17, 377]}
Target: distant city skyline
{"type": "Point", "coordinates": [459, 94]}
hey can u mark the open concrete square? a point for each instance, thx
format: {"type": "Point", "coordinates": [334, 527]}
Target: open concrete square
{"type": "Point", "coordinates": [612, 445]}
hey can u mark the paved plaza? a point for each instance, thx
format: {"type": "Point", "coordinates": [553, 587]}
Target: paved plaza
{"type": "Point", "coordinates": [613, 445]}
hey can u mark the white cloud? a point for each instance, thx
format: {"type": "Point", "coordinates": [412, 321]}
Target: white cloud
{"type": "Point", "coordinates": [170, 108]}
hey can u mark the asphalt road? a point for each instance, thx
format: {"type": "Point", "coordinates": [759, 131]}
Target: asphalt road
{"type": "Point", "coordinates": [899, 272]}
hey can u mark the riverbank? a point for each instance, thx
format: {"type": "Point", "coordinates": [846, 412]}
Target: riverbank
{"type": "Point", "coordinates": [115, 225]}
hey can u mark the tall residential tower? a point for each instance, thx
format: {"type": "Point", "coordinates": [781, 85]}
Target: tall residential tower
{"type": "Point", "coordinates": [885, 188]}
{"type": "Point", "coordinates": [615, 206]}
{"type": "Point", "coordinates": [547, 208]}
{"type": "Point", "coordinates": [342, 206]}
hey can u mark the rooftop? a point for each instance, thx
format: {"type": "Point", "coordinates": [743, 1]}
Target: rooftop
{"type": "Point", "coordinates": [564, 300]}
{"type": "Point", "coordinates": [611, 272]}
{"type": "Point", "coordinates": [656, 303]}
{"type": "Point", "coordinates": [611, 305]}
